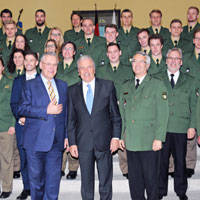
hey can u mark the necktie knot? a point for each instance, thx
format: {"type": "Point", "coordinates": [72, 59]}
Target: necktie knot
{"type": "Point", "coordinates": [40, 31]}
{"type": "Point", "coordinates": [156, 31]}
{"type": "Point", "coordinates": [66, 65]}
{"type": "Point", "coordinates": [157, 61]}
{"type": "Point", "coordinates": [145, 51]}
{"type": "Point", "coordinates": [137, 83]}
{"type": "Point", "coordinates": [176, 43]}
{"type": "Point", "coordinates": [115, 69]}
{"type": "Point", "coordinates": [18, 72]}
{"type": "Point", "coordinates": [190, 28]}
{"type": "Point", "coordinates": [9, 44]}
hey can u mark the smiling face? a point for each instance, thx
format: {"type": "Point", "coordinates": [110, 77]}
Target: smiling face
{"type": "Point", "coordinates": [111, 34]}
{"type": "Point", "coordinates": [143, 39]}
{"type": "Point", "coordinates": [76, 21]}
{"type": "Point", "coordinates": [174, 61]}
{"type": "Point", "coordinates": [155, 19]}
{"type": "Point", "coordinates": [86, 70]}
{"type": "Point", "coordinates": [10, 30]}
{"type": "Point", "coordinates": [50, 47]}
{"type": "Point", "coordinates": [68, 51]}
{"type": "Point", "coordinates": [156, 47]}
{"type": "Point", "coordinates": [20, 42]}
{"type": "Point", "coordinates": [176, 29]}
{"type": "Point", "coordinates": [48, 65]}
{"type": "Point", "coordinates": [18, 59]}
{"type": "Point", "coordinates": [113, 54]}
{"type": "Point", "coordinates": [30, 63]}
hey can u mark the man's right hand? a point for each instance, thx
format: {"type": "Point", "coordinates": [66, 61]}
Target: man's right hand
{"type": "Point", "coordinates": [22, 121]}
{"type": "Point", "coordinates": [74, 151]}
{"type": "Point", "coordinates": [54, 109]}
{"type": "Point", "coordinates": [121, 145]}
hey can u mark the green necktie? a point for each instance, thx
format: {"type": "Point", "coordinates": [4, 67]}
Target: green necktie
{"type": "Point", "coordinates": [9, 44]}
{"type": "Point", "coordinates": [156, 31]}
{"type": "Point", "coordinates": [18, 72]}
{"type": "Point", "coordinates": [88, 39]}
{"type": "Point", "coordinates": [115, 69]}
{"type": "Point", "coordinates": [190, 29]}
{"type": "Point", "coordinates": [176, 43]}
{"type": "Point", "coordinates": [126, 33]}
{"type": "Point", "coordinates": [157, 62]}
{"type": "Point", "coordinates": [66, 65]}
{"type": "Point", "coordinates": [40, 31]}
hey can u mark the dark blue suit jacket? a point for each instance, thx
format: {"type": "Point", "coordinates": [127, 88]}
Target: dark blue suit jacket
{"type": "Point", "coordinates": [40, 128]}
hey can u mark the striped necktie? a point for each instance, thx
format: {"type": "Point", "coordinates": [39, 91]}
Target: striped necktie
{"type": "Point", "coordinates": [51, 92]}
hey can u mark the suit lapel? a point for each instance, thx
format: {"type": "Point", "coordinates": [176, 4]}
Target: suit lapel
{"type": "Point", "coordinates": [180, 81]}
{"type": "Point", "coordinates": [81, 97]}
{"type": "Point", "coordinates": [60, 93]}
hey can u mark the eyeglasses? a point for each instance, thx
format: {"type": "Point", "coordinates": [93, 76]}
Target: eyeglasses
{"type": "Point", "coordinates": [68, 49]}
{"type": "Point", "coordinates": [50, 64]}
{"type": "Point", "coordinates": [138, 61]}
{"type": "Point", "coordinates": [50, 46]}
{"type": "Point", "coordinates": [55, 34]}
{"type": "Point", "coordinates": [171, 58]}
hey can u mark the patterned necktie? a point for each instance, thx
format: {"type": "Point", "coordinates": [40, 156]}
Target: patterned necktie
{"type": "Point", "coordinates": [172, 80]}
{"type": "Point", "coordinates": [137, 83]}
{"type": "Point", "coordinates": [40, 31]}
{"type": "Point", "coordinates": [89, 43]}
{"type": "Point", "coordinates": [51, 92]}
{"type": "Point", "coordinates": [89, 98]}
{"type": "Point", "coordinates": [9, 44]}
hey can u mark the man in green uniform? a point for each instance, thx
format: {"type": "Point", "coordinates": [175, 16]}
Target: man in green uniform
{"type": "Point", "coordinates": [111, 35]}
{"type": "Point", "coordinates": [144, 111]}
{"type": "Point", "coordinates": [192, 23]}
{"type": "Point", "coordinates": [118, 73]}
{"type": "Point", "coordinates": [182, 99]}
{"type": "Point", "coordinates": [68, 72]}
{"type": "Point", "coordinates": [89, 44]}
{"type": "Point", "coordinates": [6, 15]}
{"type": "Point", "coordinates": [38, 35]}
{"type": "Point", "coordinates": [157, 59]}
{"type": "Point", "coordinates": [6, 44]}
{"type": "Point", "coordinates": [176, 40]}
{"type": "Point", "coordinates": [143, 37]}
{"type": "Point", "coordinates": [127, 32]}
{"type": "Point", "coordinates": [7, 134]}
{"type": "Point", "coordinates": [76, 32]}
{"type": "Point", "coordinates": [156, 28]}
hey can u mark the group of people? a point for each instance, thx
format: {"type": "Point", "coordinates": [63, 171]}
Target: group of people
{"type": "Point", "coordinates": [82, 98]}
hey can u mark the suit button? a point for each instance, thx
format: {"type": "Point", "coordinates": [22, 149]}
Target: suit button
{"type": "Point", "coordinates": [171, 113]}
{"type": "Point", "coordinates": [133, 109]}
{"type": "Point", "coordinates": [172, 94]}
{"type": "Point", "coordinates": [171, 104]}
{"type": "Point", "coordinates": [91, 130]}
{"type": "Point", "coordinates": [134, 97]}
{"type": "Point", "coordinates": [54, 115]}
{"type": "Point", "coordinates": [133, 121]}
{"type": "Point", "coordinates": [54, 129]}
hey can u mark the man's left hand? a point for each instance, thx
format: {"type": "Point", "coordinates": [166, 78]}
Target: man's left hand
{"type": "Point", "coordinates": [66, 145]}
{"type": "Point", "coordinates": [11, 130]}
{"type": "Point", "coordinates": [114, 145]}
{"type": "Point", "coordinates": [157, 145]}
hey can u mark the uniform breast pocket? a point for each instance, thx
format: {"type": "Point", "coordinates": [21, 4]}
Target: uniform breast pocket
{"type": "Point", "coordinates": [184, 95]}
{"type": "Point", "coordinates": [148, 100]}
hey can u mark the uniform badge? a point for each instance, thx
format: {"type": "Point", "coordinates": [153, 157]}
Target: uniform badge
{"type": "Point", "coordinates": [130, 60]}
{"type": "Point", "coordinates": [125, 93]}
{"type": "Point", "coordinates": [164, 95]}
{"type": "Point", "coordinates": [31, 40]}
{"type": "Point", "coordinates": [188, 70]}
{"type": "Point", "coordinates": [102, 62]}
{"type": "Point", "coordinates": [197, 91]}
{"type": "Point", "coordinates": [7, 86]}
{"type": "Point", "coordinates": [124, 102]}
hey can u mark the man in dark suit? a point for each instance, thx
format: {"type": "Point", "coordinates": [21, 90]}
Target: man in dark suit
{"type": "Point", "coordinates": [44, 105]}
{"type": "Point", "coordinates": [94, 126]}
{"type": "Point", "coordinates": [30, 63]}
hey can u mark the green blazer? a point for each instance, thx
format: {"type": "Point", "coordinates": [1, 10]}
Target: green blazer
{"type": "Point", "coordinates": [130, 39]}
{"type": "Point", "coordinates": [144, 113]}
{"type": "Point", "coordinates": [7, 119]}
{"type": "Point", "coordinates": [122, 74]}
{"type": "Point", "coordinates": [184, 44]}
{"type": "Point", "coordinates": [189, 35]}
{"type": "Point", "coordinates": [164, 32]}
{"type": "Point", "coordinates": [198, 116]}
{"type": "Point", "coordinates": [153, 69]}
{"type": "Point", "coordinates": [94, 50]}
{"type": "Point", "coordinates": [69, 75]}
{"type": "Point", "coordinates": [182, 103]}
{"type": "Point", "coordinates": [37, 41]}
{"type": "Point", "coordinates": [71, 35]}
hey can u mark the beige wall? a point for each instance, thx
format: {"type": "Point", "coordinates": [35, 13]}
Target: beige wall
{"type": "Point", "coordinates": [58, 11]}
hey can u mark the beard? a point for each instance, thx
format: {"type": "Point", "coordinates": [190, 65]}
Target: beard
{"type": "Point", "coordinates": [40, 23]}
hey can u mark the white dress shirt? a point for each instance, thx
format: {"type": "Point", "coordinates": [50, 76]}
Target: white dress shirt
{"type": "Point", "coordinates": [141, 79]}
{"type": "Point", "coordinates": [29, 77]}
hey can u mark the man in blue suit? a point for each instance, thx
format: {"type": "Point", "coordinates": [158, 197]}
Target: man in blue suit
{"type": "Point", "coordinates": [44, 105]}
{"type": "Point", "coordinates": [30, 63]}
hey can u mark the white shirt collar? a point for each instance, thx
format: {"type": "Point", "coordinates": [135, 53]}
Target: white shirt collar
{"type": "Point", "coordinates": [29, 77]}
{"type": "Point", "coordinates": [141, 79]}
{"type": "Point", "coordinates": [176, 75]}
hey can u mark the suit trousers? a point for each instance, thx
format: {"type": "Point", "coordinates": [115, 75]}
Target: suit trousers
{"type": "Point", "coordinates": [143, 174]}
{"type": "Point", "coordinates": [105, 173]}
{"type": "Point", "coordinates": [16, 156]}
{"type": "Point", "coordinates": [6, 160]}
{"type": "Point", "coordinates": [175, 144]}
{"type": "Point", "coordinates": [44, 169]}
{"type": "Point", "coordinates": [73, 163]}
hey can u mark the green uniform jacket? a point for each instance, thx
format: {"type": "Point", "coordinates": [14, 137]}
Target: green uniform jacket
{"type": "Point", "coordinates": [184, 44]}
{"type": "Point", "coordinates": [130, 39]}
{"type": "Point", "coordinates": [182, 103]}
{"type": "Point", "coordinates": [198, 116]}
{"type": "Point", "coordinates": [7, 119]}
{"type": "Point", "coordinates": [94, 50]}
{"type": "Point", "coordinates": [189, 35]}
{"type": "Point", "coordinates": [124, 58]}
{"type": "Point", "coordinates": [69, 75]}
{"type": "Point", "coordinates": [144, 113]}
{"type": "Point", "coordinates": [122, 74]}
{"type": "Point", "coordinates": [5, 51]}
{"type": "Point", "coordinates": [164, 32]}
{"type": "Point", "coordinates": [153, 69]}
{"type": "Point", "coordinates": [71, 35]}
{"type": "Point", "coordinates": [37, 41]}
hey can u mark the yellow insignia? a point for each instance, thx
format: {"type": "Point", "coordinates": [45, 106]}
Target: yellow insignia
{"type": "Point", "coordinates": [7, 86]}
{"type": "Point", "coordinates": [164, 95]}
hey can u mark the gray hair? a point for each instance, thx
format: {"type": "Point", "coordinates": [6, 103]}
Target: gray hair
{"type": "Point", "coordinates": [49, 54]}
{"type": "Point", "coordinates": [175, 49]}
{"type": "Point", "coordinates": [148, 59]}
{"type": "Point", "coordinates": [85, 57]}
